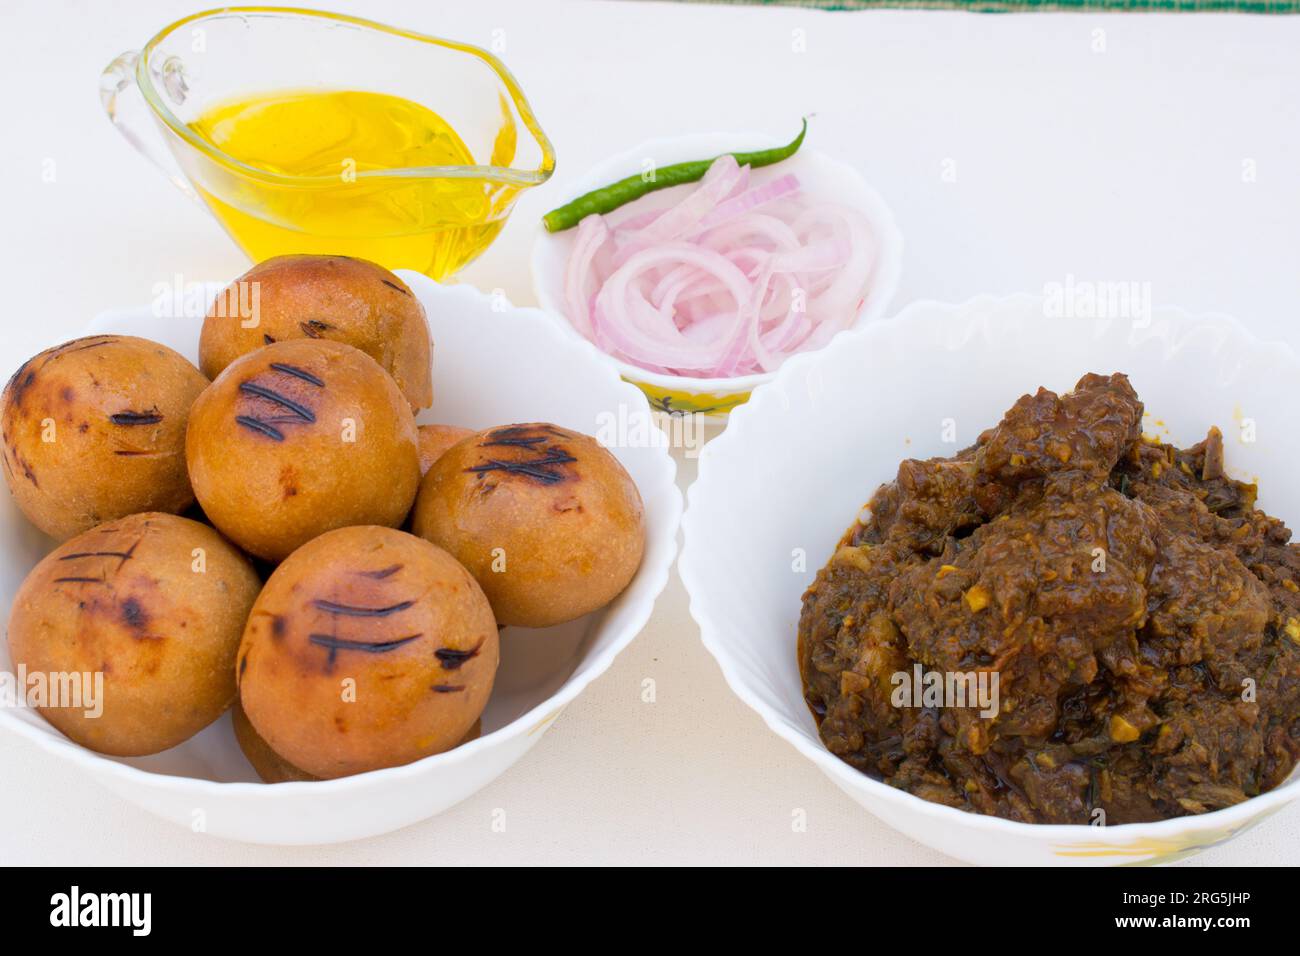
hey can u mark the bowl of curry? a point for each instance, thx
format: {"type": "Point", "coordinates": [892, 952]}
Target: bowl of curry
{"type": "Point", "coordinates": [1022, 586]}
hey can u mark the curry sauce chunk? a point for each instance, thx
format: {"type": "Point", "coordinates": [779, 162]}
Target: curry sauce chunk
{"type": "Point", "coordinates": [1136, 616]}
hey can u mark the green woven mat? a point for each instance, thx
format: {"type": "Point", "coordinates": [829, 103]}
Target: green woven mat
{"type": "Point", "coordinates": [1019, 6]}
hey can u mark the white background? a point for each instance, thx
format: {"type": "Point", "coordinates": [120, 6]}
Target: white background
{"type": "Point", "coordinates": [1119, 164]}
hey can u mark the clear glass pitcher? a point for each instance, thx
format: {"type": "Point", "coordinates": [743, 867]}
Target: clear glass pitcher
{"type": "Point", "coordinates": [433, 219]}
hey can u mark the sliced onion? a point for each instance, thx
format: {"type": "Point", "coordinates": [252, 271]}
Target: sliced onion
{"type": "Point", "coordinates": [729, 281]}
{"type": "Point", "coordinates": [750, 199]}
{"type": "Point", "coordinates": [592, 234]}
{"type": "Point", "coordinates": [721, 181]}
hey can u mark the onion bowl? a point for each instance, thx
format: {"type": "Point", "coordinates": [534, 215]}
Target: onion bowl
{"type": "Point", "coordinates": [493, 364]}
{"type": "Point", "coordinates": [819, 175]}
{"type": "Point", "coordinates": [798, 461]}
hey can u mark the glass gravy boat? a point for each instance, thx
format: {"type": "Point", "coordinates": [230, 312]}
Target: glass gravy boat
{"type": "Point", "coordinates": [433, 219]}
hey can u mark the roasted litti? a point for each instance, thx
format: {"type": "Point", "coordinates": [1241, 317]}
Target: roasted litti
{"type": "Point", "coordinates": [298, 438]}
{"type": "Point", "coordinates": [436, 439]}
{"type": "Point", "coordinates": [270, 766]}
{"type": "Point", "coordinates": [95, 429]}
{"type": "Point", "coordinates": [155, 604]}
{"type": "Point", "coordinates": [546, 519]}
{"type": "Point", "coordinates": [323, 297]}
{"type": "Point", "coordinates": [273, 768]}
{"type": "Point", "coordinates": [368, 648]}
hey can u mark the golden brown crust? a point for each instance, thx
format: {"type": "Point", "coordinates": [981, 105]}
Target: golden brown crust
{"type": "Point", "coordinates": [546, 519]}
{"type": "Point", "coordinates": [94, 429]}
{"type": "Point", "coordinates": [270, 766]}
{"type": "Point", "coordinates": [323, 297]}
{"type": "Point", "coordinates": [436, 439]}
{"type": "Point", "coordinates": [368, 648]}
{"type": "Point", "coordinates": [298, 438]}
{"type": "Point", "coordinates": [153, 602]}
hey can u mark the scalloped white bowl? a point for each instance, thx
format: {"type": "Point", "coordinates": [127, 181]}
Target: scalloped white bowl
{"type": "Point", "coordinates": [493, 364]}
{"type": "Point", "coordinates": [821, 175]}
{"type": "Point", "coordinates": [801, 458]}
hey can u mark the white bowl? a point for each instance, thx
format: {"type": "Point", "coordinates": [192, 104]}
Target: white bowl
{"type": "Point", "coordinates": [819, 174]}
{"type": "Point", "coordinates": [799, 460]}
{"type": "Point", "coordinates": [493, 364]}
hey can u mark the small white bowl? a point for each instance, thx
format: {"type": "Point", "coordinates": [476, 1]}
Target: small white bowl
{"type": "Point", "coordinates": [820, 176]}
{"type": "Point", "coordinates": [493, 364]}
{"type": "Point", "coordinates": [798, 461]}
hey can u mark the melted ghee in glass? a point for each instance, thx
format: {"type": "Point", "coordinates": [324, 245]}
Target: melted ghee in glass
{"type": "Point", "coordinates": [433, 224]}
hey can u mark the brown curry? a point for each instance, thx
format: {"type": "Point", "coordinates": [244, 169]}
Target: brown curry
{"type": "Point", "coordinates": [1141, 616]}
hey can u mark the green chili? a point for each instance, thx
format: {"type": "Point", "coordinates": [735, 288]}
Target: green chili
{"type": "Point", "coordinates": [608, 198]}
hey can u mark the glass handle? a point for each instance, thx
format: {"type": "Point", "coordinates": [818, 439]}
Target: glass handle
{"type": "Point", "coordinates": [127, 110]}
